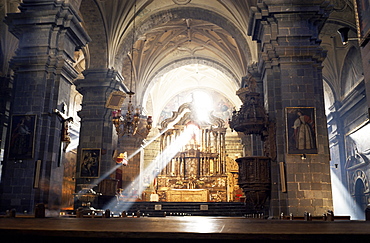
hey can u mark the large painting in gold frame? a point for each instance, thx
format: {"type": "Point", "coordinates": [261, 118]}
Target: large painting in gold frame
{"type": "Point", "coordinates": [301, 130]}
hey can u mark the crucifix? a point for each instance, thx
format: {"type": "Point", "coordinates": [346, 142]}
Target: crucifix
{"type": "Point", "coordinates": [66, 121]}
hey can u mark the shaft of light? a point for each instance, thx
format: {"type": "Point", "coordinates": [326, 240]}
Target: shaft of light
{"type": "Point", "coordinates": [159, 163]}
{"type": "Point", "coordinates": [114, 168]}
{"type": "Point", "coordinates": [343, 202]}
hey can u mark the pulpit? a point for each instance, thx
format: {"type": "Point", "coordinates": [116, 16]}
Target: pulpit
{"type": "Point", "coordinates": [255, 179]}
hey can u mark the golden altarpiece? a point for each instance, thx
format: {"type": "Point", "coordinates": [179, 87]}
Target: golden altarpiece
{"type": "Point", "coordinates": [201, 171]}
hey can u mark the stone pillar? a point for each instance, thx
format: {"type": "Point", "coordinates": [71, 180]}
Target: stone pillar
{"type": "Point", "coordinates": [6, 74]}
{"type": "Point", "coordinates": [337, 144]}
{"type": "Point", "coordinates": [97, 131]}
{"type": "Point", "coordinates": [361, 15]}
{"type": "Point", "coordinates": [5, 100]}
{"type": "Point", "coordinates": [291, 68]}
{"type": "Point", "coordinates": [49, 32]}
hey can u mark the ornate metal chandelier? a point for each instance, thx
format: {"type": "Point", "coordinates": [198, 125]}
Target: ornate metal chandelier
{"type": "Point", "coordinates": [129, 124]}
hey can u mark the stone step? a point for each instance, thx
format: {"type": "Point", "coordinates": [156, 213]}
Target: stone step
{"type": "Point", "coordinates": [184, 208]}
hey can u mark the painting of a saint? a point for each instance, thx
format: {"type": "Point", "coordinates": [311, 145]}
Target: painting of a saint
{"type": "Point", "coordinates": [301, 130]}
{"type": "Point", "coordinates": [22, 137]}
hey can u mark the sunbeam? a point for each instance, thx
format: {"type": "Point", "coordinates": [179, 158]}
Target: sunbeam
{"type": "Point", "coordinates": [114, 168]}
{"type": "Point", "coordinates": [155, 167]}
{"type": "Point", "coordinates": [344, 203]}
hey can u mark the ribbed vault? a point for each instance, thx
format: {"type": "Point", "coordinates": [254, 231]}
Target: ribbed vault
{"type": "Point", "coordinates": [177, 46]}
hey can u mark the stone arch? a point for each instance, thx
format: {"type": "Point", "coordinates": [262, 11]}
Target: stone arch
{"type": "Point", "coordinates": [330, 96]}
{"type": "Point", "coordinates": [151, 21]}
{"type": "Point", "coordinates": [359, 175]}
{"type": "Point", "coordinates": [221, 90]}
{"type": "Point", "coordinates": [97, 49]}
{"type": "Point", "coordinates": [185, 61]}
{"type": "Point", "coordinates": [359, 194]}
{"type": "Point", "coordinates": [8, 42]}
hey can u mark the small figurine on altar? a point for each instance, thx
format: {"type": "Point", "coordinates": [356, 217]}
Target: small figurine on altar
{"type": "Point", "coordinates": [121, 158]}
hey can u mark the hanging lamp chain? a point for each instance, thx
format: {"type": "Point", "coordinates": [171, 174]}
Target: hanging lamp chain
{"type": "Point", "coordinates": [132, 50]}
{"type": "Point", "coordinates": [128, 124]}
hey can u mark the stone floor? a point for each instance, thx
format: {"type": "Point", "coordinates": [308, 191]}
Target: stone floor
{"type": "Point", "coordinates": [179, 229]}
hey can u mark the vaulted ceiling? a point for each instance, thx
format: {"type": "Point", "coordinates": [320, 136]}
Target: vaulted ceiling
{"type": "Point", "coordinates": [175, 45]}
{"type": "Point", "coordinates": [180, 45]}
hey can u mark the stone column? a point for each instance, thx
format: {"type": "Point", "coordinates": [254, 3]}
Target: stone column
{"type": "Point", "coordinates": [361, 15]}
{"type": "Point", "coordinates": [291, 68]}
{"type": "Point", "coordinates": [5, 101]}
{"type": "Point", "coordinates": [97, 130]}
{"type": "Point", "coordinates": [49, 32]}
{"type": "Point", "coordinates": [337, 144]}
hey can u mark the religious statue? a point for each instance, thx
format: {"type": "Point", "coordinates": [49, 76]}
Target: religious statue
{"type": "Point", "coordinates": [65, 137]}
{"type": "Point", "coordinates": [65, 133]}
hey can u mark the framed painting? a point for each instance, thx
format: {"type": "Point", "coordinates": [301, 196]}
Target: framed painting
{"type": "Point", "coordinates": [22, 138]}
{"type": "Point", "coordinates": [90, 163]}
{"type": "Point", "coordinates": [115, 100]}
{"type": "Point", "coordinates": [301, 130]}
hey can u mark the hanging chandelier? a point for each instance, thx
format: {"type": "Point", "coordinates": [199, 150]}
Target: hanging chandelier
{"type": "Point", "coordinates": [129, 124]}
